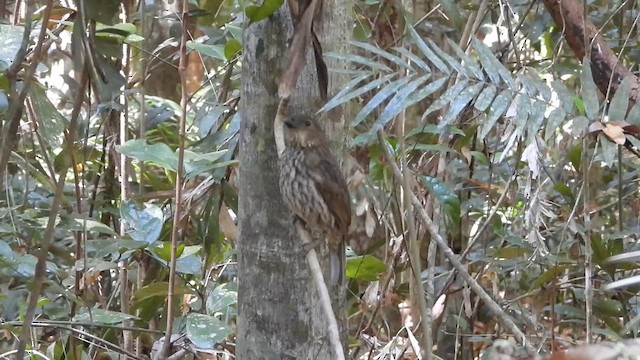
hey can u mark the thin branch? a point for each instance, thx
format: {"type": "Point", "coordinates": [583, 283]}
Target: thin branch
{"type": "Point", "coordinates": [177, 214]}
{"type": "Point", "coordinates": [505, 320]}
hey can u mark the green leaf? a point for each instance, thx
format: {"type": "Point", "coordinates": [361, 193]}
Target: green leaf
{"type": "Point", "coordinates": [380, 52]}
{"type": "Point", "coordinates": [222, 297]}
{"type": "Point", "coordinates": [257, 13]}
{"type": "Point", "coordinates": [206, 331]}
{"type": "Point", "coordinates": [485, 98]}
{"type": "Point", "coordinates": [398, 103]}
{"type": "Point", "coordinates": [589, 91]}
{"type": "Point", "coordinates": [365, 268]}
{"type": "Point", "coordinates": [142, 224]}
{"type": "Point", "coordinates": [460, 102]}
{"type": "Point", "coordinates": [159, 288]}
{"type": "Point", "coordinates": [427, 52]}
{"type": "Point", "coordinates": [100, 316]}
{"type": "Point", "coordinates": [492, 66]}
{"type": "Point", "coordinates": [381, 96]}
{"type": "Point", "coordinates": [499, 106]}
{"type": "Point", "coordinates": [546, 277]}
{"type": "Point", "coordinates": [620, 101]}
{"type": "Point", "coordinates": [159, 154]}
{"type": "Point", "coordinates": [231, 48]}
{"type": "Point", "coordinates": [445, 196]}
{"type": "Point", "coordinates": [446, 98]}
{"type": "Point", "coordinates": [555, 119]}
{"type": "Point", "coordinates": [216, 51]}
{"type": "Point", "coordinates": [11, 39]}
{"type": "Point", "coordinates": [347, 93]}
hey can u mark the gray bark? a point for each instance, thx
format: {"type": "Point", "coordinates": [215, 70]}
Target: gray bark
{"type": "Point", "coordinates": [279, 315]}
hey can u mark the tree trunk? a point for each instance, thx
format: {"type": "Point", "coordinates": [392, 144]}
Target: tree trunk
{"type": "Point", "coordinates": [279, 315]}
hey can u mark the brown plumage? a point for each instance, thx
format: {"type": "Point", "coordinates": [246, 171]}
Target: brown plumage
{"type": "Point", "coordinates": [313, 187]}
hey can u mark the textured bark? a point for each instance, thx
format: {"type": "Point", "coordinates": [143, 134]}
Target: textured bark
{"type": "Point", "coordinates": [605, 65]}
{"type": "Point", "coordinates": [278, 311]}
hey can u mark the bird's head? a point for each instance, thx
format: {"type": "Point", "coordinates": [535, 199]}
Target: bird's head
{"type": "Point", "coordinates": [302, 131]}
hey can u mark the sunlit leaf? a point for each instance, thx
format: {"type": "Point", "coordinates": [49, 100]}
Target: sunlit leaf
{"type": "Point", "coordinates": [365, 268]}
{"type": "Point", "coordinates": [257, 13]}
{"type": "Point", "coordinates": [143, 224]}
{"type": "Point", "coordinates": [220, 298]}
{"type": "Point", "coordinates": [101, 316]}
{"type": "Point", "coordinates": [206, 331]}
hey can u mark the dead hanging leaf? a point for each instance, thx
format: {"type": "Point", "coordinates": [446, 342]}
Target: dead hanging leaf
{"type": "Point", "coordinates": [614, 133]}
{"type": "Point", "coordinates": [297, 51]}
{"type": "Point", "coordinates": [614, 130]}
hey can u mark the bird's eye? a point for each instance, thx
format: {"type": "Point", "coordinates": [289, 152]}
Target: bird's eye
{"type": "Point", "coordinates": [307, 123]}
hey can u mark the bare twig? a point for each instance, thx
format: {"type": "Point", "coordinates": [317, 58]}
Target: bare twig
{"type": "Point", "coordinates": [177, 214]}
{"type": "Point", "coordinates": [504, 319]}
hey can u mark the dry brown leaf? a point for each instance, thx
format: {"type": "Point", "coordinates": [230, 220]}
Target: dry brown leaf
{"type": "Point", "coordinates": [615, 133]}
{"type": "Point", "coordinates": [227, 225]}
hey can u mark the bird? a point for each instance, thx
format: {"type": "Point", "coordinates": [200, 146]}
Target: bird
{"type": "Point", "coordinates": [313, 187]}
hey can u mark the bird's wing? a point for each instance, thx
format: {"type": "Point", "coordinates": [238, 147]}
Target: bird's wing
{"type": "Point", "coordinates": [331, 186]}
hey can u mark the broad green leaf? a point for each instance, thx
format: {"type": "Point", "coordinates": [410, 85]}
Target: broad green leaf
{"type": "Point", "coordinates": [381, 96]}
{"type": "Point", "coordinates": [159, 154]}
{"type": "Point", "coordinates": [214, 51]}
{"type": "Point", "coordinates": [142, 224]}
{"type": "Point", "coordinates": [222, 297]}
{"type": "Point", "coordinates": [549, 275]}
{"type": "Point", "coordinates": [96, 265]}
{"type": "Point", "coordinates": [159, 288]}
{"type": "Point", "coordinates": [555, 119]}
{"type": "Point", "coordinates": [485, 98]}
{"type": "Point", "coordinates": [620, 102]}
{"type": "Point", "coordinates": [445, 197]}
{"type": "Point", "coordinates": [365, 268]}
{"type": "Point", "coordinates": [206, 331]}
{"type": "Point", "coordinates": [380, 52]}
{"type": "Point", "coordinates": [92, 226]}
{"type": "Point", "coordinates": [399, 102]}
{"type": "Point", "coordinates": [100, 316]}
{"type": "Point", "coordinates": [608, 307]}
{"type": "Point", "coordinates": [499, 106]}
{"type": "Point", "coordinates": [52, 123]}
{"type": "Point", "coordinates": [11, 39]}
{"type": "Point", "coordinates": [257, 13]}
{"type": "Point", "coordinates": [427, 52]}
{"type": "Point", "coordinates": [460, 102]}
{"type": "Point", "coordinates": [589, 91]}
{"type": "Point", "coordinates": [565, 97]}
{"type": "Point", "coordinates": [231, 48]}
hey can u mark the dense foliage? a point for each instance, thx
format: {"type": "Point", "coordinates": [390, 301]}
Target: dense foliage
{"type": "Point", "coordinates": [526, 169]}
